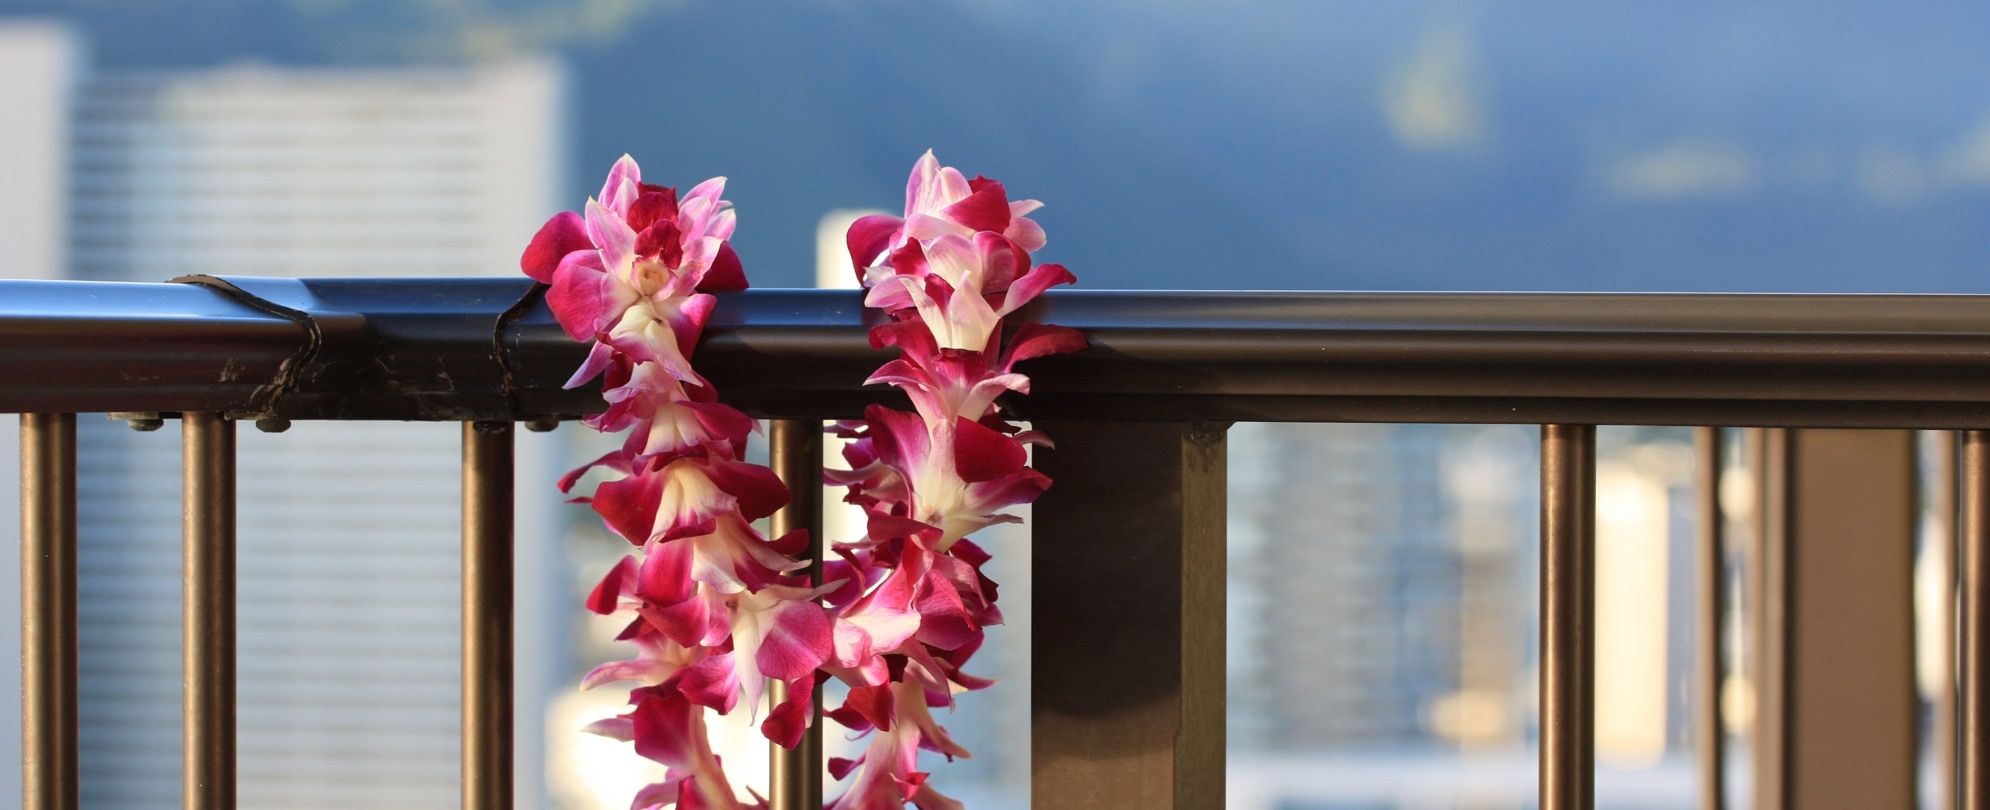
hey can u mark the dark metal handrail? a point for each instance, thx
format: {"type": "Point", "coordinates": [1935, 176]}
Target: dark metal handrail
{"type": "Point", "coordinates": [465, 349]}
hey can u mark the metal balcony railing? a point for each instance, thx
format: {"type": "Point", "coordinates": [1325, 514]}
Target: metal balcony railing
{"type": "Point", "coordinates": [1128, 701]}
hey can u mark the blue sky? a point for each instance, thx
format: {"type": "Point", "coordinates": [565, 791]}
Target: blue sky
{"type": "Point", "coordinates": [1419, 144]}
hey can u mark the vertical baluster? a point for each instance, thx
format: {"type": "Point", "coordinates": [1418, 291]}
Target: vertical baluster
{"type": "Point", "coordinates": [1941, 551]}
{"type": "Point", "coordinates": [1772, 615]}
{"type": "Point", "coordinates": [208, 611]}
{"type": "Point", "coordinates": [1568, 616]}
{"type": "Point", "coordinates": [795, 453]}
{"type": "Point", "coordinates": [1769, 466]}
{"type": "Point", "coordinates": [48, 611]}
{"type": "Point", "coordinates": [1709, 598]}
{"type": "Point", "coordinates": [487, 615]}
{"type": "Point", "coordinates": [1975, 689]}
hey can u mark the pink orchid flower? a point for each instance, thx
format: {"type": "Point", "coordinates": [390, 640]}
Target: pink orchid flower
{"type": "Point", "coordinates": [939, 200]}
{"type": "Point", "coordinates": [631, 274]}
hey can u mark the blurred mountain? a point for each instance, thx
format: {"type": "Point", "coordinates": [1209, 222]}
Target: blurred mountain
{"type": "Point", "coordinates": [1427, 144]}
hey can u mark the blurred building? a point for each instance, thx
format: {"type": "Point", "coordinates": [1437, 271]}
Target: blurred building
{"type": "Point", "coordinates": [1358, 617]}
{"type": "Point", "coordinates": [348, 551]}
{"type": "Point", "coordinates": [1378, 586]}
{"type": "Point", "coordinates": [1383, 593]}
{"type": "Point", "coordinates": [37, 74]}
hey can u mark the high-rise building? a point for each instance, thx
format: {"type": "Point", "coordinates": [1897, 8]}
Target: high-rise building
{"type": "Point", "coordinates": [37, 76]}
{"type": "Point", "coordinates": [348, 550]}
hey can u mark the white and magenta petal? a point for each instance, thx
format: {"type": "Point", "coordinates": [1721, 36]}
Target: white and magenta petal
{"type": "Point", "coordinates": [622, 185]}
{"type": "Point", "coordinates": [612, 236]}
{"type": "Point", "coordinates": [581, 298]}
{"type": "Point", "coordinates": [1033, 283]}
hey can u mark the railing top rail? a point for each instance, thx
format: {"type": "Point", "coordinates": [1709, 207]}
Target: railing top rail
{"type": "Point", "coordinates": [450, 349]}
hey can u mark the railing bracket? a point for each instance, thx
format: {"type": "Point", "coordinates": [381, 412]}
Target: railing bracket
{"type": "Point", "coordinates": [141, 421]}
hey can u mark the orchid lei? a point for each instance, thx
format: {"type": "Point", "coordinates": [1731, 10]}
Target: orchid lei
{"type": "Point", "coordinates": [913, 601]}
{"type": "Point", "coordinates": [716, 608]}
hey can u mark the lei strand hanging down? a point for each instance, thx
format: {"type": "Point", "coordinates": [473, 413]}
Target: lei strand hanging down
{"type": "Point", "coordinates": [715, 608]}
{"type": "Point", "coordinates": [912, 601]}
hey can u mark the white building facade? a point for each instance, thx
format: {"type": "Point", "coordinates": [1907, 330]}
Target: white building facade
{"type": "Point", "coordinates": [349, 541]}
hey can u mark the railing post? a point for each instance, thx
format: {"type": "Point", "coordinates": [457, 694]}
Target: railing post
{"type": "Point", "coordinates": [795, 453]}
{"type": "Point", "coordinates": [1568, 617]}
{"type": "Point", "coordinates": [208, 610]}
{"type": "Point", "coordinates": [48, 611]}
{"type": "Point", "coordinates": [1129, 600]}
{"type": "Point", "coordinates": [487, 615]}
{"type": "Point", "coordinates": [1128, 567]}
{"type": "Point", "coordinates": [1836, 716]}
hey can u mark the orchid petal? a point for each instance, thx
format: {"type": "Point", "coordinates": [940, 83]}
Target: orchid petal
{"type": "Point", "coordinates": [983, 209]}
{"type": "Point", "coordinates": [699, 621]}
{"type": "Point", "coordinates": [612, 236]}
{"type": "Point", "coordinates": [629, 505]}
{"type": "Point", "coordinates": [580, 297]}
{"type": "Point", "coordinates": [1025, 232]}
{"type": "Point", "coordinates": [1033, 283]}
{"type": "Point", "coordinates": [725, 274]}
{"type": "Point", "coordinates": [563, 234]}
{"type": "Point", "coordinates": [869, 238]}
{"type": "Point", "coordinates": [625, 174]}
{"type": "Point", "coordinates": [925, 176]}
{"type": "Point", "coordinates": [614, 728]}
{"type": "Point", "coordinates": [982, 454]}
{"type": "Point", "coordinates": [712, 189]}
{"type": "Point", "coordinates": [786, 723]}
{"type": "Point", "coordinates": [1038, 340]}
{"type": "Point", "coordinates": [606, 597]}
{"type": "Point", "coordinates": [633, 670]}
{"type": "Point", "coordinates": [599, 358]}
{"type": "Point", "coordinates": [796, 641]}
{"type": "Point", "coordinates": [650, 207]}
{"type": "Point", "coordinates": [713, 683]}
